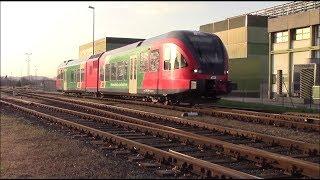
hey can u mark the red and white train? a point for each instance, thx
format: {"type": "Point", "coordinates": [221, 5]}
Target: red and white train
{"type": "Point", "coordinates": [176, 66]}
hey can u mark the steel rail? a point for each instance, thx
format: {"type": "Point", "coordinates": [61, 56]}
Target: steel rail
{"type": "Point", "coordinates": [199, 166]}
{"type": "Point", "coordinates": [290, 116]}
{"type": "Point", "coordinates": [286, 163]}
{"type": "Point", "coordinates": [305, 147]}
{"type": "Point", "coordinates": [279, 120]}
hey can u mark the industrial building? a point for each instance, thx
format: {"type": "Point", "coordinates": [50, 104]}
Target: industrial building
{"type": "Point", "coordinates": [295, 55]}
{"type": "Point", "coordinates": [274, 51]}
{"type": "Point", "coordinates": [104, 44]}
{"type": "Point", "coordinates": [246, 41]}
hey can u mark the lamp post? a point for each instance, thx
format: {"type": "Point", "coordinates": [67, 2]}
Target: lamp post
{"type": "Point", "coordinates": [91, 7]}
{"type": "Point", "coordinates": [28, 61]}
{"type": "Point", "coordinates": [35, 74]}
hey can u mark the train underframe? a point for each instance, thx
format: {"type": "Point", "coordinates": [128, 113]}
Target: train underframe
{"type": "Point", "coordinates": [201, 90]}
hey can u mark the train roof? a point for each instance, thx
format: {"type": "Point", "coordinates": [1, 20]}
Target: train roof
{"type": "Point", "coordinates": [179, 34]}
{"type": "Point", "coordinates": [70, 62]}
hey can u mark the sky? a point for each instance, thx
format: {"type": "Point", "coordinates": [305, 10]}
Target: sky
{"type": "Point", "coordinates": [53, 31]}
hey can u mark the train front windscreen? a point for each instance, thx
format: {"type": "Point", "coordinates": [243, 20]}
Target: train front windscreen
{"type": "Point", "coordinates": [209, 52]}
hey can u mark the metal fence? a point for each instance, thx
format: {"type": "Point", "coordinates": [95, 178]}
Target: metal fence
{"type": "Point", "coordinates": [243, 92]}
{"type": "Point", "coordinates": [287, 8]}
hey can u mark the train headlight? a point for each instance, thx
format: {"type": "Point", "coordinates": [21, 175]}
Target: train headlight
{"type": "Point", "coordinates": [193, 85]}
{"type": "Point", "coordinates": [197, 71]}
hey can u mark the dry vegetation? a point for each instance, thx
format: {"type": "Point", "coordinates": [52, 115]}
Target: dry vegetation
{"type": "Point", "coordinates": [29, 150]}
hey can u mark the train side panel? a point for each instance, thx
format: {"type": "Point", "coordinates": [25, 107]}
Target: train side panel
{"type": "Point", "coordinates": [71, 78]}
{"type": "Point", "coordinates": [59, 79]}
{"type": "Point", "coordinates": [91, 75]}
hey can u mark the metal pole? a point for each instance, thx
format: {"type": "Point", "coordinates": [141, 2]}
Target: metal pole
{"type": "Point", "coordinates": [91, 7]}
{"type": "Point", "coordinates": [93, 35]}
{"type": "Point", "coordinates": [35, 74]}
{"type": "Point", "coordinates": [28, 61]}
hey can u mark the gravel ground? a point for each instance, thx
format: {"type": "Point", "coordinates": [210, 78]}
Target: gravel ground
{"type": "Point", "coordinates": [32, 149]}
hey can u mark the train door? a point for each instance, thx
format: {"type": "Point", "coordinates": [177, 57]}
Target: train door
{"type": "Point", "coordinates": [133, 75]}
{"type": "Point", "coordinates": [65, 79]}
{"type": "Point", "coordinates": [154, 71]}
{"type": "Point", "coordinates": [82, 83]}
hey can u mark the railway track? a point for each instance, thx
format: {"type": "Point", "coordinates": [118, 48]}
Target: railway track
{"type": "Point", "coordinates": [282, 120]}
{"type": "Point", "coordinates": [264, 159]}
{"type": "Point", "coordinates": [295, 116]}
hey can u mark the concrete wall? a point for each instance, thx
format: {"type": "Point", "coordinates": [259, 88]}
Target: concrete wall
{"type": "Point", "coordinates": [285, 55]}
{"type": "Point", "coordinates": [301, 19]}
{"type": "Point", "coordinates": [85, 50]}
{"type": "Point", "coordinates": [104, 44]}
{"type": "Point", "coordinates": [208, 28]}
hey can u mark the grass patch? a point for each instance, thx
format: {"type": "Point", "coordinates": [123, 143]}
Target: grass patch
{"type": "Point", "coordinates": [1, 169]}
{"type": "Point", "coordinates": [263, 107]}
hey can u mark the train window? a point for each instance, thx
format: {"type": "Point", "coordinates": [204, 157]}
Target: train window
{"type": "Point", "coordinates": [167, 65]}
{"type": "Point", "coordinates": [169, 55]}
{"type": "Point", "coordinates": [154, 60]}
{"type": "Point", "coordinates": [125, 75]}
{"type": "Point", "coordinates": [74, 76]}
{"type": "Point", "coordinates": [107, 72]}
{"type": "Point", "coordinates": [180, 61]}
{"type": "Point", "coordinates": [113, 72]}
{"type": "Point", "coordinates": [131, 70]}
{"type": "Point", "coordinates": [101, 74]}
{"type": "Point", "coordinates": [82, 75]}
{"type": "Point", "coordinates": [120, 72]}
{"type": "Point", "coordinates": [71, 76]}
{"type": "Point", "coordinates": [78, 75]}
{"type": "Point", "coordinates": [209, 49]}
{"type": "Point", "coordinates": [134, 68]}
{"type": "Point", "coordinates": [144, 57]}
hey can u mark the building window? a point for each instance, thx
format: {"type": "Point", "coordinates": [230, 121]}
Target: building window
{"type": "Point", "coordinates": [317, 35]}
{"type": "Point", "coordinates": [281, 37]}
{"type": "Point", "coordinates": [303, 33]}
{"type": "Point", "coordinates": [273, 79]}
{"type": "Point", "coordinates": [316, 54]}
